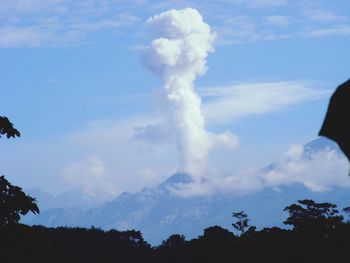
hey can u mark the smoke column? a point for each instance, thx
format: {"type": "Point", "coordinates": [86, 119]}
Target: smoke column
{"type": "Point", "coordinates": [178, 54]}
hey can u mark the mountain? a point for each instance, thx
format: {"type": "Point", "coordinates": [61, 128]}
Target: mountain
{"type": "Point", "coordinates": [320, 144]}
{"type": "Point", "coordinates": [59, 208]}
{"type": "Point", "coordinates": [67, 199]}
{"type": "Point", "coordinates": [158, 212]}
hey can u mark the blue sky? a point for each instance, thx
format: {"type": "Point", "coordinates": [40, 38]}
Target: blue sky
{"type": "Point", "coordinates": [73, 83]}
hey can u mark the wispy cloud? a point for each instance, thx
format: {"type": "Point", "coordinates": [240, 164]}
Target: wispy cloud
{"type": "Point", "coordinates": [29, 6]}
{"type": "Point", "coordinates": [289, 20]}
{"type": "Point", "coordinates": [33, 23]}
{"type": "Point", "coordinates": [36, 23]}
{"type": "Point", "coordinates": [226, 104]}
{"type": "Point", "coordinates": [259, 3]}
{"type": "Point", "coordinates": [244, 29]}
{"type": "Point", "coordinates": [237, 29]}
{"type": "Point", "coordinates": [278, 20]}
{"type": "Point", "coordinates": [323, 15]}
{"type": "Point", "coordinates": [12, 36]}
{"type": "Point", "coordinates": [339, 30]}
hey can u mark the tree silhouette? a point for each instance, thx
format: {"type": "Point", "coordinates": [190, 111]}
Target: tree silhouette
{"type": "Point", "coordinates": [311, 216]}
{"type": "Point", "coordinates": [242, 223]}
{"type": "Point", "coordinates": [6, 127]}
{"type": "Point", "coordinates": [217, 234]}
{"type": "Point", "coordinates": [13, 201]}
{"type": "Point", "coordinates": [175, 240]}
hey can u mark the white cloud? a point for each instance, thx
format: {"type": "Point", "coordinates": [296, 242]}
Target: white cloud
{"type": "Point", "coordinates": [226, 104]}
{"type": "Point", "coordinates": [277, 20]}
{"type": "Point", "coordinates": [340, 30]}
{"type": "Point", "coordinates": [91, 176]}
{"type": "Point", "coordinates": [28, 5]}
{"type": "Point", "coordinates": [320, 171]}
{"type": "Point", "coordinates": [248, 29]}
{"type": "Point", "coordinates": [238, 29]}
{"type": "Point", "coordinates": [132, 164]}
{"type": "Point", "coordinates": [33, 23]}
{"type": "Point", "coordinates": [260, 3]}
{"type": "Point", "coordinates": [157, 132]}
{"type": "Point", "coordinates": [72, 22]}
{"type": "Point", "coordinates": [117, 22]}
{"type": "Point", "coordinates": [11, 36]}
{"type": "Point", "coordinates": [323, 15]}
{"type": "Point", "coordinates": [150, 176]}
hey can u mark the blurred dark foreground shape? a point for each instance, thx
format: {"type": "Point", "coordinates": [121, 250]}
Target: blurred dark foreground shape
{"type": "Point", "coordinates": [336, 125]}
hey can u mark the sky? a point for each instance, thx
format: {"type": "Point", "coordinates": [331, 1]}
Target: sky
{"type": "Point", "coordinates": [93, 115]}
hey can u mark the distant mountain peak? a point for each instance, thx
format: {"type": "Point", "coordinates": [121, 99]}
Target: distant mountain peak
{"type": "Point", "coordinates": [177, 178]}
{"type": "Point", "coordinates": [321, 144]}
{"type": "Point", "coordinates": [317, 145]}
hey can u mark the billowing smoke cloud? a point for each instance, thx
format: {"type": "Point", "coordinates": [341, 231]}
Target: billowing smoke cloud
{"type": "Point", "coordinates": [178, 54]}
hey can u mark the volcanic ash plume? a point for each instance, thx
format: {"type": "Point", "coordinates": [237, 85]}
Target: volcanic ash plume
{"type": "Point", "coordinates": [178, 54]}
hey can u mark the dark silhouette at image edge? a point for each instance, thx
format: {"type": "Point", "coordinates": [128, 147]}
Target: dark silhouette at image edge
{"type": "Point", "coordinates": [336, 125]}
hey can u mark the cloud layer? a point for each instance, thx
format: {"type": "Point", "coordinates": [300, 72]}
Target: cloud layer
{"type": "Point", "coordinates": [63, 22]}
{"type": "Point", "coordinates": [318, 171]}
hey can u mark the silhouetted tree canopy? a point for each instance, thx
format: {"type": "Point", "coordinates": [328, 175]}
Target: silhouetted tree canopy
{"type": "Point", "coordinates": [13, 203]}
{"type": "Point", "coordinates": [316, 217]}
{"type": "Point", "coordinates": [175, 240]}
{"type": "Point", "coordinates": [242, 223]}
{"type": "Point", "coordinates": [217, 234]}
{"type": "Point", "coordinates": [6, 127]}
{"type": "Point", "coordinates": [22, 243]}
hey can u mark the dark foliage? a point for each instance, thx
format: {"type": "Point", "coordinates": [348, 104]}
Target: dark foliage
{"type": "Point", "coordinates": [316, 218]}
{"type": "Point", "coordinates": [20, 243]}
{"type": "Point", "coordinates": [331, 243]}
{"type": "Point", "coordinates": [6, 127]}
{"type": "Point", "coordinates": [242, 223]}
{"type": "Point", "coordinates": [175, 240]}
{"type": "Point", "coordinates": [274, 245]}
{"type": "Point", "coordinates": [13, 203]}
